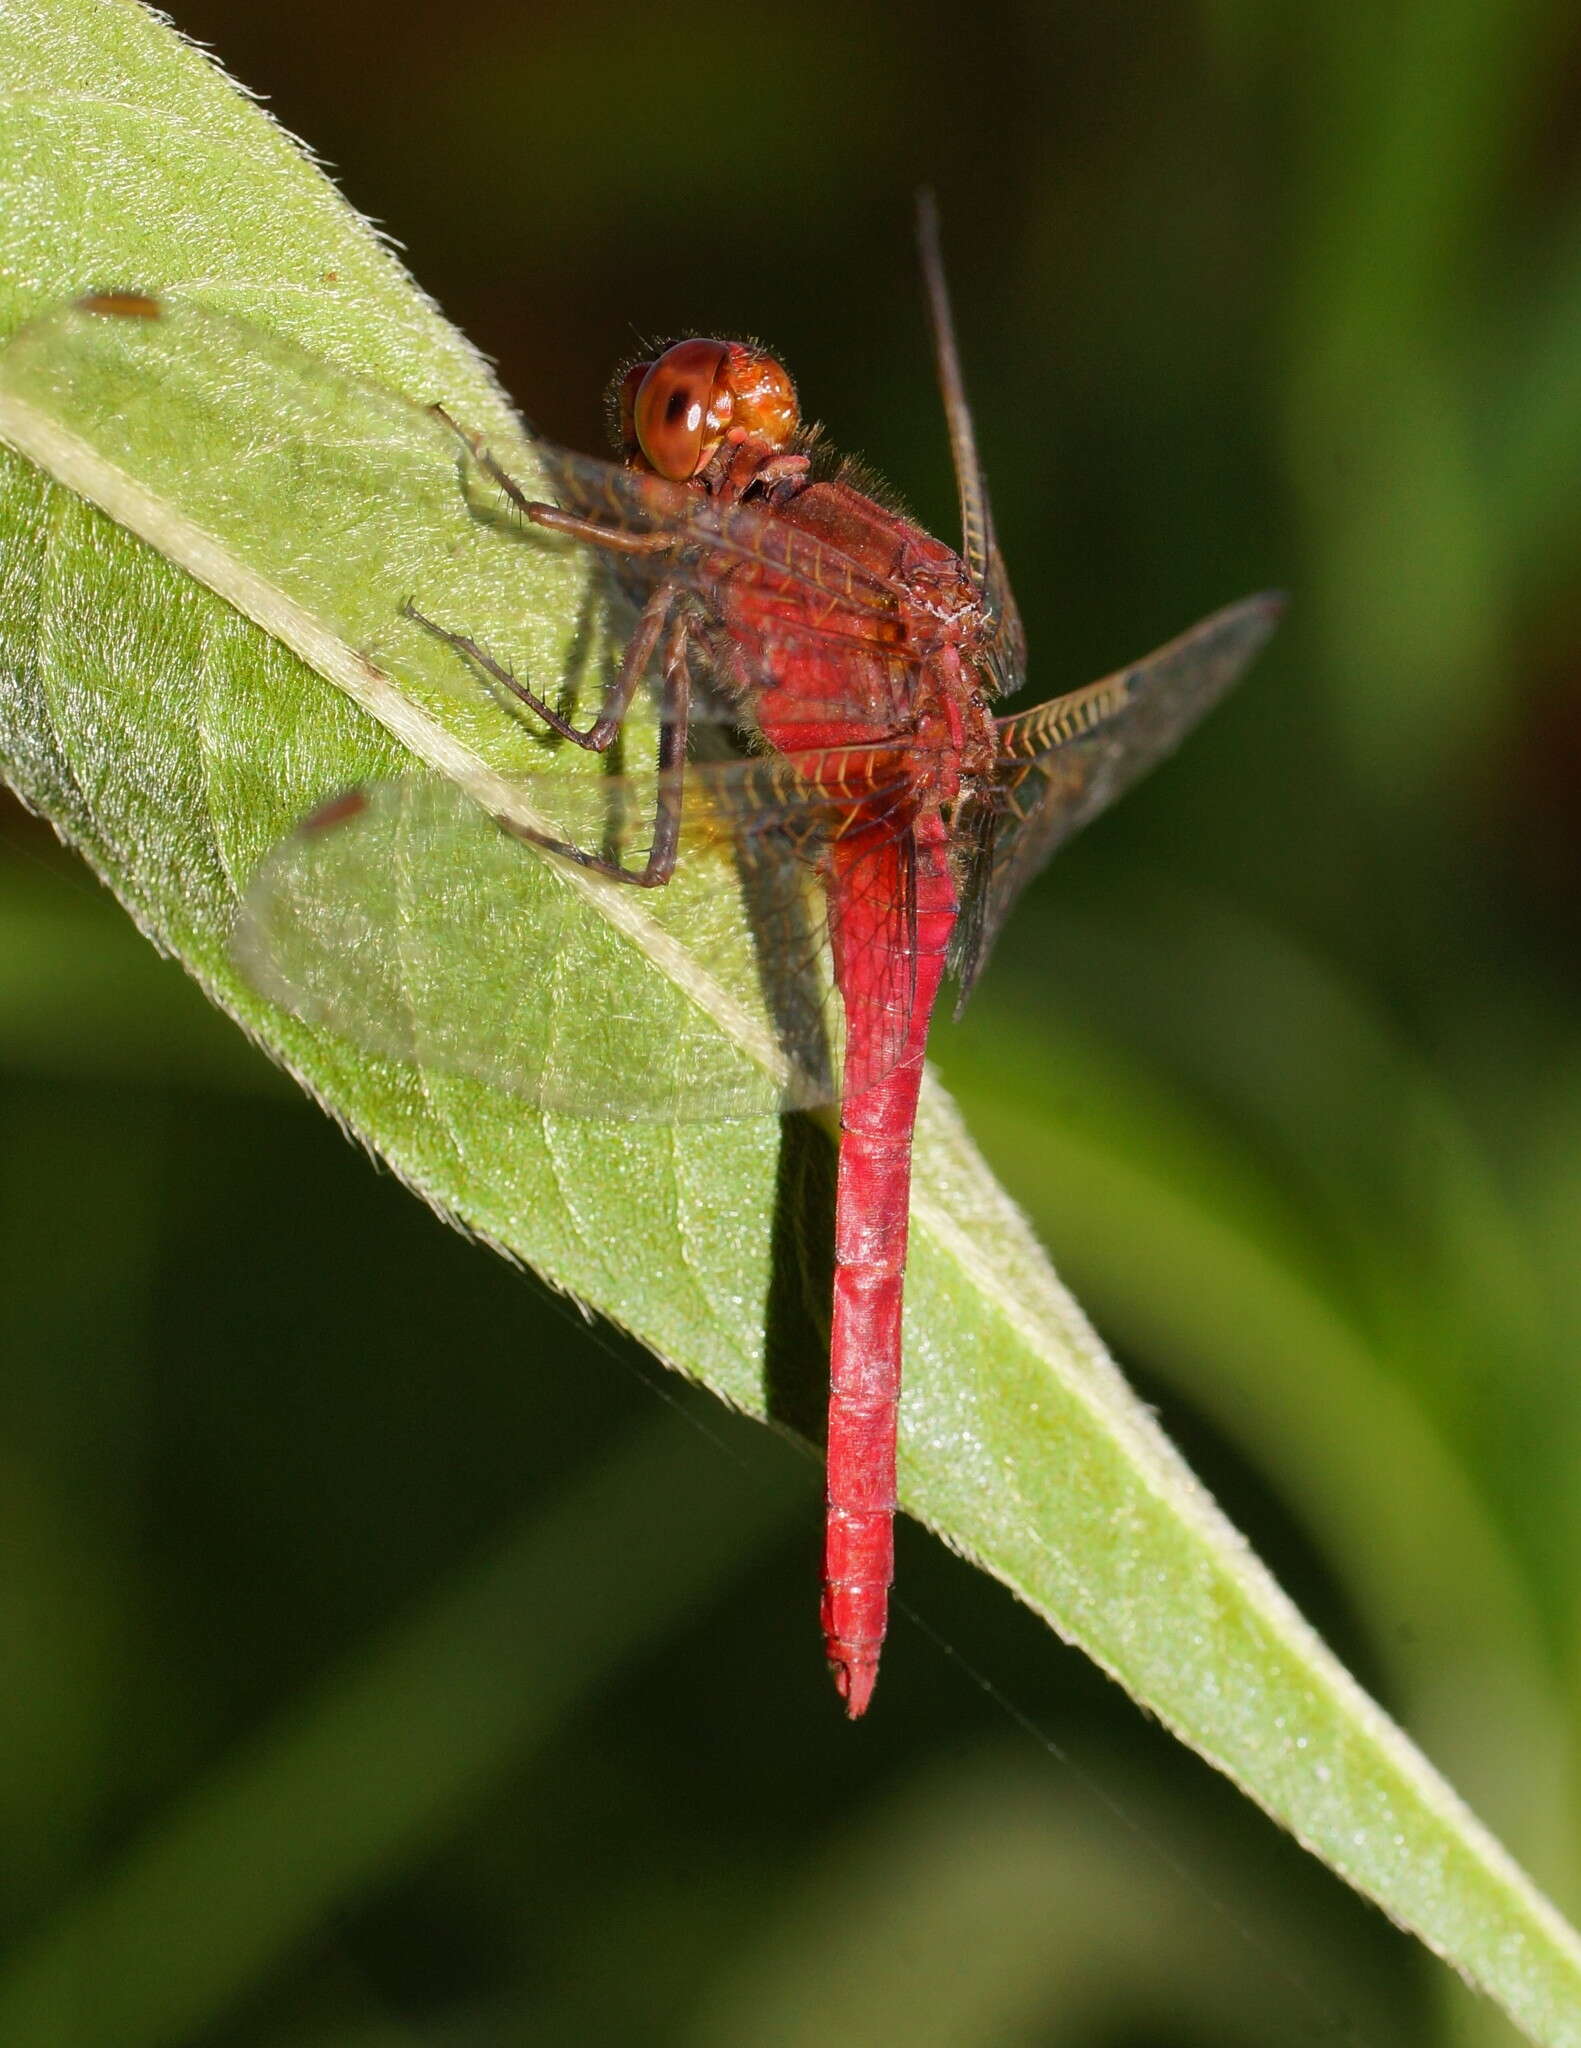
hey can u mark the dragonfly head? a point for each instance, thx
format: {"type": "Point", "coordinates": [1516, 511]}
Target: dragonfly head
{"type": "Point", "coordinates": [676, 411]}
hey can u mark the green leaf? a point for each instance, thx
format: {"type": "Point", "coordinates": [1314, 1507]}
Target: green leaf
{"type": "Point", "coordinates": [176, 732]}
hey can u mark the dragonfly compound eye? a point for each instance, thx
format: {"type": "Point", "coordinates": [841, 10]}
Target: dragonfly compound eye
{"type": "Point", "coordinates": [681, 407]}
{"type": "Point", "coordinates": [675, 411]}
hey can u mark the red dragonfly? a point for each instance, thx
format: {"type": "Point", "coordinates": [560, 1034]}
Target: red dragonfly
{"type": "Point", "coordinates": [857, 660]}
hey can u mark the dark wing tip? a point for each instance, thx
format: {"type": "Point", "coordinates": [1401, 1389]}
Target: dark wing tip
{"type": "Point", "coordinates": [339, 810]}
{"type": "Point", "coordinates": [121, 305]}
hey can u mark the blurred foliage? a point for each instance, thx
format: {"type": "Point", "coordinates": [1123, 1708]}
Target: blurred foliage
{"type": "Point", "coordinates": [1283, 1060]}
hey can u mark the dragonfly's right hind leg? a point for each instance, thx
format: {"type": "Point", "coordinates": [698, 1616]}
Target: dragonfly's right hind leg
{"type": "Point", "coordinates": [675, 711]}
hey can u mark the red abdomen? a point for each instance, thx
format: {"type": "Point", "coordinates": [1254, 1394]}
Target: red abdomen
{"type": "Point", "coordinates": [861, 673]}
{"type": "Point", "coordinates": [892, 909]}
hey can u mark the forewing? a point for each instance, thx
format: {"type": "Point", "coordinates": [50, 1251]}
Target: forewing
{"type": "Point", "coordinates": [979, 544]}
{"type": "Point", "coordinates": [1063, 762]}
{"type": "Point", "coordinates": [1009, 656]}
{"type": "Point", "coordinates": [410, 919]}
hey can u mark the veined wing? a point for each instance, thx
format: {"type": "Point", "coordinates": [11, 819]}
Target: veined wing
{"type": "Point", "coordinates": [1063, 762]}
{"type": "Point", "coordinates": [979, 543]}
{"type": "Point", "coordinates": [410, 919]}
{"type": "Point", "coordinates": [1009, 656]}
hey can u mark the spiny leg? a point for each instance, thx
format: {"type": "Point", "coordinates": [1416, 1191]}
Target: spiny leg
{"type": "Point", "coordinates": [675, 711]}
{"type": "Point", "coordinates": [660, 615]}
{"type": "Point", "coordinates": [600, 735]}
{"type": "Point", "coordinates": [553, 517]}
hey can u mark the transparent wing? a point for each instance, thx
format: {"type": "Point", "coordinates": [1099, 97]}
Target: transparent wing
{"type": "Point", "coordinates": [979, 545]}
{"type": "Point", "coordinates": [1010, 655]}
{"type": "Point", "coordinates": [1063, 762]}
{"type": "Point", "coordinates": [410, 919]}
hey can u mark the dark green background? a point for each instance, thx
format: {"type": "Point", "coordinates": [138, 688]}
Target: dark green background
{"type": "Point", "coordinates": [1283, 1060]}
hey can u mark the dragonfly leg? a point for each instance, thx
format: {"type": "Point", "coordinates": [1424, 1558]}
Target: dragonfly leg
{"type": "Point", "coordinates": [609, 538]}
{"type": "Point", "coordinates": [552, 516]}
{"type": "Point", "coordinates": [674, 713]}
{"type": "Point", "coordinates": [600, 735]}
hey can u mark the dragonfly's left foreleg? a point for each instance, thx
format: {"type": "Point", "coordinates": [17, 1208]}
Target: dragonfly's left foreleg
{"type": "Point", "coordinates": [554, 517]}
